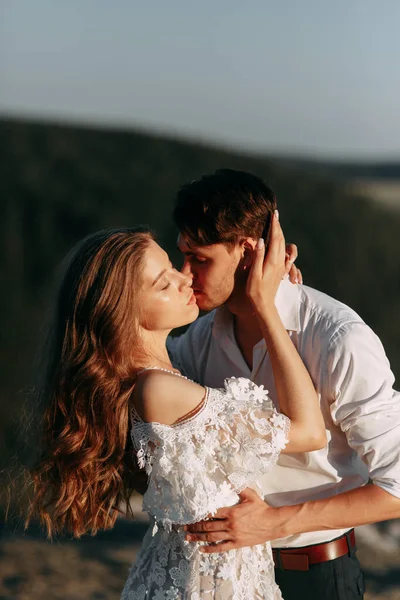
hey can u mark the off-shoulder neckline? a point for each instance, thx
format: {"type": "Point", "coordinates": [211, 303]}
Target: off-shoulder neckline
{"type": "Point", "coordinates": [139, 421]}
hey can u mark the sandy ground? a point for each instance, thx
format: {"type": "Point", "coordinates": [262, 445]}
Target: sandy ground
{"type": "Point", "coordinates": [95, 568]}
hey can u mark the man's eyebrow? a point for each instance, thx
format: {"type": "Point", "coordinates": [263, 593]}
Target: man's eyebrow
{"type": "Point", "coordinates": [193, 252]}
{"type": "Point", "coordinates": [158, 277]}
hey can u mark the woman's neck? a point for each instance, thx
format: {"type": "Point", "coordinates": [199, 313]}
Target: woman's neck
{"type": "Point", "coordinates": [155, 352]}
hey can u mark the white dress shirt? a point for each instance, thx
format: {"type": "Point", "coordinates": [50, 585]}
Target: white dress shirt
{"type": "Point", "coordinates": [352, 376]}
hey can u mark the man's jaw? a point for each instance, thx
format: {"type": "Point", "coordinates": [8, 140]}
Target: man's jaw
{"type": "Point", "coordinates": [198, 294]}
{"type": "Point", "coordinates": [204, 303]}
{"type": "Point", "coordinates": [201, 300]}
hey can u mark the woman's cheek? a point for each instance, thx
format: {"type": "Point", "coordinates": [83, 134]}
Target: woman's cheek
{"type": "Point", "coordinates": [165, 298]}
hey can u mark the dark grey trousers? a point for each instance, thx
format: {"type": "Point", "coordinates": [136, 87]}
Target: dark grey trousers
{"type": "Point", "coordinates": [338, 579]}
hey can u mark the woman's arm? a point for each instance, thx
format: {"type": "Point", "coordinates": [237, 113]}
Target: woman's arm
{"type": "Point", "coordinates": [296, 393]}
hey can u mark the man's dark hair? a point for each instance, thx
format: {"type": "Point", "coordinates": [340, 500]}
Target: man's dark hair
{"type": "Point", "coordinates": [224, 206]}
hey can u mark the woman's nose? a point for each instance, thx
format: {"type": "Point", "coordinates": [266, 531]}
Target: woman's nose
{"type": "Point", "coordinates": [187, 279]}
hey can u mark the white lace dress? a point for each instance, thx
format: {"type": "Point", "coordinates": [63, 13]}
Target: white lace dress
{"type": "Point", "coordinates": [196, 467]}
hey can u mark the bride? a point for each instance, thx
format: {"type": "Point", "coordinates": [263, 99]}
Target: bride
{"type": "Point", "coordinates": [112, 397]}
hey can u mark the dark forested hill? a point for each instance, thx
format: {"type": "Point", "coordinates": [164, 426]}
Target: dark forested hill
{"type": "Point", "coordinates": [368, 169]}
{"type": "Point", "coordinates": [58, 183]}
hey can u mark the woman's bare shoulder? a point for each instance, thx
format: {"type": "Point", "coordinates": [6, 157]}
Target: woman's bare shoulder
{"type": "Point", "coordinates": [163, 397]}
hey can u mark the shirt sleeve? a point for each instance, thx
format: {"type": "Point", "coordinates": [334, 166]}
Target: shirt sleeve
{"type": "Point", "coordinates": [365, 405]}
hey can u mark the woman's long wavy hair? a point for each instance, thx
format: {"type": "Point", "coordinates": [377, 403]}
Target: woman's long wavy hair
{"type": "Point", "coordinates": [86, 468]}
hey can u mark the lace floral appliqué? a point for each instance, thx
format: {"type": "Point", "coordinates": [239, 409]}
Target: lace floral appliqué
{"type": "Point", "coordinates": [195, 468]}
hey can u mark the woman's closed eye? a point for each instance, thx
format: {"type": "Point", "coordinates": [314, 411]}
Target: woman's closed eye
{"type": "Point", "coordinates": [175, 272]}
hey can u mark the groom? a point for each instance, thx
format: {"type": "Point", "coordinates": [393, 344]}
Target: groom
{"type": "Point", "coordinates": [313, 500]}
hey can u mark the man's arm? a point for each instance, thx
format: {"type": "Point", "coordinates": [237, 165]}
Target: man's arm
{"type": "Point", "coordinates": [254, 522]}
{"type": "Point", "coordinates": [367, 504]}
{"type": "Point", "coordinates": [367, 410]}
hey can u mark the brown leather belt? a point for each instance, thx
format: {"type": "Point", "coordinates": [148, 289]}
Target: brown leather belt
{"type": "Point", "coordinates": [300, 559]}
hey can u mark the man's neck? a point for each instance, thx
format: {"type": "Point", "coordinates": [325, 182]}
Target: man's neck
{"type": "Point", "coordinates": [246, 329]}
{"type": "Point", "coordinates": [247, 325]}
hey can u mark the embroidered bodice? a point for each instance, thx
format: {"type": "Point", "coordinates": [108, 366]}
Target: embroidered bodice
{"type": "Point", "coordinates": [196, 467]}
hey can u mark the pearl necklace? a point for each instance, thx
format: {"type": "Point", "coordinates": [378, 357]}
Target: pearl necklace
{"type": "Point", "coordinates": [162, 369]}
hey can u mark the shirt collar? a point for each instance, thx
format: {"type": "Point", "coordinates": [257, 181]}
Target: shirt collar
{"type": "Point", "coordinates": [286, 301]}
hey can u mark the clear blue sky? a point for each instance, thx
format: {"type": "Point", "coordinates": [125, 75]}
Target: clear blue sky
{"type": "Point", "coordinates": [306, 77]}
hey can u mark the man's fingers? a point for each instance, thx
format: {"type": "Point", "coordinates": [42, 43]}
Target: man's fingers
{"type": "Point", "coordinates": [248, 494]}
{"type": "Point", "coordinates": [222, 513]}
{"type": "Point", "coordinates": [205, 526]}
{"type": "Point", "coordinates": [213, 536]}
{"type": "Point", "coordinates": [213, 548]}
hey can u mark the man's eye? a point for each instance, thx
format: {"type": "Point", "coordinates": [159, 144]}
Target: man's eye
{"type": "Point", "coordinates": [200, 259]}
{"type": "Point", "coordinates": [165, 287]}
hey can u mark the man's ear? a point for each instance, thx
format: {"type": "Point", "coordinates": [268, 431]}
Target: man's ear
{"type": "Point", "coordinates": [248, 246]}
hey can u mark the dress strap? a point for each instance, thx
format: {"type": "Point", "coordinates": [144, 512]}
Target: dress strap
{"type": "Point", "coordinates": [193, 412]}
